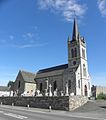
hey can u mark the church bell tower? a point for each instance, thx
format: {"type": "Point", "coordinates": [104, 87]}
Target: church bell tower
{"type": "Point", "coordinates": [77, 61]}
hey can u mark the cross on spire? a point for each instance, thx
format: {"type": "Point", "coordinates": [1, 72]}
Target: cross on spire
{"type": "Point", "coordinates": [74, 13]}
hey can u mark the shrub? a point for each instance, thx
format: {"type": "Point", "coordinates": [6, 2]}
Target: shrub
{"type": "Point", "coordinates": [101, 96]}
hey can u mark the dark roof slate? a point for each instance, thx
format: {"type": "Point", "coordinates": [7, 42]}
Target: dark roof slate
{"type": "Point", "coordinates": [60, 67]}
{"type": "Point", "coordinates": [28, 76]}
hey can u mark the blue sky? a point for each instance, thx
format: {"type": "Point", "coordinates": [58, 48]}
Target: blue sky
{"type": "Point", "coordinates": [33, 35]}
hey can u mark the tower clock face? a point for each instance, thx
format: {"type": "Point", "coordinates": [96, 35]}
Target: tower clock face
{"type": "Point", "coordinates": [74, 62]}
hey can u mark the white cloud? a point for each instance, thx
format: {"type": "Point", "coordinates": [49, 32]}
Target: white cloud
{"type": "Point", "coordinates": [31, 37]}
{"type": "Point", "coordinates": [28, 39]}
{"type": "Point", "coordinates": [28, 35]}
{"type": "Point", "coordinates": [66, 8]}
{"type": "Point", "coordinates": [29, 45]}
{"type": "Point", "coordinates": [11, 37]}
{"type": "Point", "coordinates": [102, 7]}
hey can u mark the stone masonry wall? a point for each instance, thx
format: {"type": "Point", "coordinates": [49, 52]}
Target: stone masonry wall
{"type": "Point", "coordinates": [76, 101]}
{"type": "Point", "coordinates": [67, 103]}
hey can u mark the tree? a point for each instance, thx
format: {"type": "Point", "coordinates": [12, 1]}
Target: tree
{"type": "Point", "coordinates": [10, 84]}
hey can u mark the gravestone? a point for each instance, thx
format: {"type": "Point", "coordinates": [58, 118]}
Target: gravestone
{"type": "Point", "coordinates": [50, 92]}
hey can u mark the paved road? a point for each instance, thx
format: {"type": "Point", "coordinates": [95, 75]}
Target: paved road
{"type": "Point", "coordinates": [93, 107]}
{"type": "Point", "coordinates": [17, 113]}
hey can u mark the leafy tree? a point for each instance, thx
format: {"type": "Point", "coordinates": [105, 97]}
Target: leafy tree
{"type": "Point", "coordinates": [10, 84]}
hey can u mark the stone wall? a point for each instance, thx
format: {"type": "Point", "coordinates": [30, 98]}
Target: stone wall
{"type": "Point", "coordinates": [76, 101]}
{"type": "Point", "coordinates": [19, 84]}
{"type": "Point", "coordinates": [100, 89]}
{"type": "Point", "coordinates": [51, 80]}
{"type": "Point", "coordinates": [67, 103]}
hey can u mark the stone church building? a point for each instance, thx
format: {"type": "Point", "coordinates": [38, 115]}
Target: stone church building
{"type": "Point", "coordinates": [72, 78]}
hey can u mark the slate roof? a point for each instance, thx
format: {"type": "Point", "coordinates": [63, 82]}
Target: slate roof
{"type": "Point", "coordinates": [60, 67]}
{"type": "Point", "coordinates": [28, 76]}
{"type": "Point", "coordinates": [4, 88]}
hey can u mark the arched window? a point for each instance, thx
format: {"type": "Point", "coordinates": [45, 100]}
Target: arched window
{"type": "Point", "coordinates": [69, 84]}
{"type": "Point", "coordinates": [40, 87]}
{"type": "Point", "coordinates": [72, 53]}
{"type": "Point", "coordinates": [79, 85]}
{"type": "Point", "coordinates": [19, 83]}
{"type": "Point", "coordinates": [89, 85]}
{"type": "Point", "coordinates": [86, 92]}
{"type": "Point", "coordinates": [55, 85]}
{"type": "Point", "coordinates": [84, 70]}
{"type": "Point", "coordinates": [83, 53]}
{"type": "Point", "coordinates": [75, 52]}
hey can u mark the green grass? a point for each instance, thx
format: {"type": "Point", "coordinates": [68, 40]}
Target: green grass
{"type": "Point", "coordinates": [101, 96]}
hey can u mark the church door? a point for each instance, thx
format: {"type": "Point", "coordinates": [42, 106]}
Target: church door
{"type": "Point", "coordinates": [86, 92]}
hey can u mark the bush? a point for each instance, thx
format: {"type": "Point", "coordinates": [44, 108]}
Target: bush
{"type": "Point", "coordinates": [101, 96]}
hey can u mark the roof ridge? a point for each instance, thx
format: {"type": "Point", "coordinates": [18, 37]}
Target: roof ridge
{"type": "Point", "coordinates": [63, 66]}
{"type": "Point", "coordinates": [27, 72]}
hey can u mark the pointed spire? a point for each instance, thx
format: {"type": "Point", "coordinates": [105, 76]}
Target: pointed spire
{"type": "Point", "coordinates": [68, 38]}
{"type": "Point", "coordinates": [75, 30]}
